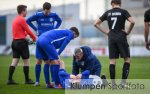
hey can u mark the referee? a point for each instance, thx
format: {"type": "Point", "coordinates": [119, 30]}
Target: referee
{"type": "Point", "coordinates": [146, 27]}
{"type": "Point", "coordinates": [20, 30]}
{"type": "Point", "coordinates": [117, 38]}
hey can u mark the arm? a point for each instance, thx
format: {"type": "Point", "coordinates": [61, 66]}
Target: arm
{"type": "Point", "coordinates": [75, 69]}
{"type": "Point", "coordinates": [85, 75]}
{"type": "Point", "coordinates": [130, 19]}
{"type": "Point", "coordinates": [30, 20]}
{"type": "Point", "coordinates": [58, 21]}
{"type": "Point", "coordinates": [146, 33]}
{"type": "Point", "coordinates": [65, 43]}
{"type": "Point", "coordinates": [97, 24]}
{"type": "Point", "coordinates": [26, 28]}
{"type": "Point", "coordinates": [146, 28]}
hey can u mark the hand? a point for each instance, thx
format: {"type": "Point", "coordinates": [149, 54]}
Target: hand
{"type": "Point", "coordinates": [79, 76]}
{"type": "Point", "coordinates": [107, 32]}
{"type": "Point", "coordinates": [37, 33]}
{"type": "Point", "coordinates": [72, 76]}
{"type": "Point", "coordinates": [31, 42]}
{"type": "Point", "coordinates": [148, 45]}
{"type": "Point", "coordinates": [124, 31]}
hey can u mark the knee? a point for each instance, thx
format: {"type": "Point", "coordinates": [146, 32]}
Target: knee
{"type": "Point", "coordinates": [54, 62]}
{"type": "Point", "coordinates": [113, 61]}
{"type": "Point", "coordinates": [127, 60]}
{"type": "Point", "coordinates": [47, 62]}
{"type": "Point", "coordinates": [39, 62]}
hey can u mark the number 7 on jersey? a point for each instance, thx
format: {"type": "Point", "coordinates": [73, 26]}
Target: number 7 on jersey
{"type": "Point", "coordinates": [114, 19]}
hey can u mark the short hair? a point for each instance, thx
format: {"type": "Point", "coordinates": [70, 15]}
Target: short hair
{"type": "Point", "coordinates": [78, 50]}
{"type": "Point", "coordinates": [21, 8]}
{"type": "Point", "coordinates": [46, 5]}
{"type": "Point", "coordinates": [74, 29]}
{"type": "Point", "coordinates": [116, 2]}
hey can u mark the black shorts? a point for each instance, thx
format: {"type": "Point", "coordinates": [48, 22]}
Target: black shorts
{"type": "Point", "coordinates": [20, 48]}
{"type": "Point", "coordinates": [118, 46]}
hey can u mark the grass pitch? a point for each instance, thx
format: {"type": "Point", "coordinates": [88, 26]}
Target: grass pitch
{"type": "Point", "coordinates": [140, 69]}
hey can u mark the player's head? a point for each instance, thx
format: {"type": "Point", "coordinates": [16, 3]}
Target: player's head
{"type": "Point", "coordinates": [149, 2]}
{"type": "Point", "coordinates": [46, 8]}
{"type": "Point", "coordinates": [22, 10]}
{"type": "Point", "coordinates": [78, 53]}
{"type": "Point", "coordinates": [116, 2]}
{"type": "Point", "coordinates": [75, 31]}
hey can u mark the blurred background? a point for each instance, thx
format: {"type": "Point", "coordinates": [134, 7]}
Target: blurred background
{"type": "Point", "coordinates": [79, 13]}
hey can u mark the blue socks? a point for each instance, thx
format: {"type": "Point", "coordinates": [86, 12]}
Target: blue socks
{"type": "Point", "coordinates": [51, 70]}
{"type": "Point", "coordinates": [55, 74]}
{"type": "Point", "coordinates": [46, 73]}
{"type": "Point", "coordinates": [37, 72]}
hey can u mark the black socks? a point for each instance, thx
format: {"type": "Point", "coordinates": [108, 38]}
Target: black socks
{"type": "Point", "coordinates": [11, 71]}
{"type": "Point", "coordinates": [26, 72]}
{"type": "Point", "coordinates": [112, 73]}
{"type": "Point", "coordinates": [125, 71]}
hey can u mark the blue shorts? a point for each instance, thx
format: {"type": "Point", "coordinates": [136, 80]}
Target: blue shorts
{"type": "Point", "coordinates": [45, 50]}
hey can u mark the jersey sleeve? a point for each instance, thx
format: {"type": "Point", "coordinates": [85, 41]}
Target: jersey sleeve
{"type": "Point", "coordinates": [58, 21]}
{"type": "Point", "coordinates": [103, 17]}
{"type": "Point", "coordinates": [147, 16]}
{"type": "Point", "coordinates": [127, 14]}
{"type": "Point", "coordinates": [65, 43]}
{"type": "Point", "coordinates": [85, 74]}
{"type": "Point", "coordinates": [26, 28]}
{"type": "Point", "coordinates": [75, 67]}
{"type": "Point", "coordinates": [30, 20]}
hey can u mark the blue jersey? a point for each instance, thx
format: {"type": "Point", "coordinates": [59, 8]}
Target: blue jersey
{"type": "Point", "coordinates": [44, 23]}
{"type": "Point", "coordinates": [59, 38]}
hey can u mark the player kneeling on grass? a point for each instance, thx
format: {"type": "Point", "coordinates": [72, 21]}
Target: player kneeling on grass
{"type": "Point", "coordinates": [84, 59]}
{"type": "Point", "coordinates": [83, 80]}
{"type": "Point", "coordinates": [47, 44]}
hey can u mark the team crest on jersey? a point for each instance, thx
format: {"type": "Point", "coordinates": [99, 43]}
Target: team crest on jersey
{"type": "Point", "coordinates": [82, 63]}
{"type": "Point", "coordinates": [109, 14]}
{"type": "Point", "coordinates": [51, 19]}
{"type": "Point", "coordinates": [42, 19]}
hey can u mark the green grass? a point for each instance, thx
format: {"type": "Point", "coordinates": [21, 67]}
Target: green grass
{"type": "Point", "coordinates": [140, 69]}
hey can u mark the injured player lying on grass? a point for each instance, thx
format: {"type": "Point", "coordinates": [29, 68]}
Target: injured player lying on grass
{"type": "Point", "coordinates": [83, 80]}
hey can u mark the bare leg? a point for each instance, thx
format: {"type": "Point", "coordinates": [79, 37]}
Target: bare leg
{"type": "Point", "coordinates": [14, 63]}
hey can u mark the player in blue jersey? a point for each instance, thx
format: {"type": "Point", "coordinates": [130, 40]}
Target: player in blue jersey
{"type": "Point", "coordinates": [46, 20]}
{"type": "Point", "coordinates": [47, 44]}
